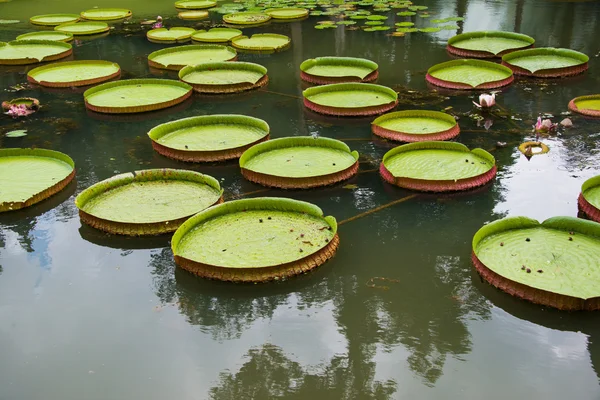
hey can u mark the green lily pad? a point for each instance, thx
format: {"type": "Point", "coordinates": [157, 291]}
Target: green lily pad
{"type": "Point", "coordinates": [590, 190]}
{"type": "Point", "coordinates": [106, 14]}
{"type": "Point", "coordinates": [543, 58]}
{"type": "Point", "coordinates": [326, 26]}
{"type": "Point", "coordinates": [470, 72]}
{"type": "Point", "coordinates": [246, 18]}
{"type": "Point", "coordinates": [47, 35]}
{"type": "Point", "coordinates": [406, 30]}
{"type": "Point", "coordinates": [298, 157]}
{"type": "Point", "coordinates": [373, 23]}
{"type": "Point", "coordinates": [193, 15]}
{"type": "Point", "coordinates": [437, 161]}
{"type": "Point", "coordinates": [9, 21]}
{"type": "Point", "coordinates": [150, 201]}
{"type": "Point", "coordinates": [449, 27]}
{"type": "Point", "coordinates": [404, 24]}
{"type": "Point", "coordinates": [494, 42]}
{"type": "Point", "coordinates": [261, 233]}
{"type": "Point", "coordinates": [417, 8]}
{"type": "Point", "coordinates": [262, 42]}
{"type": "Point", "coordinates": [216, 35]}
{"type": "Point", "coordinates": [350, 95]}
{"type": "Point", "coordinates": [178, 57]}
{"type": "Point", "coordinates": [415, 125]}
{"type": "Point", "coordinates": [430, 29]}
{"type": "Point", "coordinates": [224, 77]}
{"type": "Point", "coordinates": [208, 137]}
{"type": "Point", "coordinates": [287, 13]}
{"type": "Point", "coordinates": [83, 28]}
{"type": "Point", "coordinates": [20, 52]}
{"type": "Point", "coordinates": [195, 4]}
{"type": "Point", "coordinates": [346, 22]}
{"type": "Point", "coordinates": [377, 28]}
{"type": "Point", "coordinates": [28, 176]}
{"type": "Point", "coordinates": [176, 34]}
{"type": "Point", "coordinates": [358, 17]}
{"type": "Point", "coordinates": [338, 67]}
{"type": "Point", "coordinates": [406, 13]}
{"type": "Point", "coordinates": [74, 73]}
{"type": "Point", "coordinates": [16, 134]}
{"type": "Point", "coordinates": [136, 95]}
{"type": "Point", "coordinates": [588, 105]}
{"type": "Point", "coordinates": [53, 19]}
{"type": "Point", "coordinates": [377, 17]}
{"type": "Point", "coordinates": [511, 246]}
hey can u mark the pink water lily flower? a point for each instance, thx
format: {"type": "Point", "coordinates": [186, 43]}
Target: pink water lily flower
{"type": "Point", "coordinates": [544, 126]}
{"type": "Point", "coordinates": [486, 100]}
{"type": "Point", "coordinates": [158, 23]}
{"type": "Point", "coordinates": [19, 110]}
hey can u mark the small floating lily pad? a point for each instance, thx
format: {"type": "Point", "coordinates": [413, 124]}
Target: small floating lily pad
{"type": "Point", "coordinates": [299, 162]}
{"type": "Point", "coordinates": [83, 28]}
{"type": "Point", "coordinates": [350, 99]}
{"type": "Point", "coordinates": [224, 77]}
{"type": "Point", "coordinates": [20, 52]}
{"type": "Point", "coordinates": [193, 15]}
{"type": "Point", "coordinates": [106, 14]}
{"type": "Point", "coordinates": [148, 202]}
{"type": "Point", "coordinates": [487, 44]}
{"type": "Point", "coordinates": [16, 134]}
{"type": "Point", "coordinates": [74, 73]}
{"type": "Point", "coordinates": [589, 199]}
{"type": "Point", "coordinates": [246, 18]}
{"type": "Point", "coordinates": [262, 42]}
{"type": "Point", "coordinates": [324, 70]}
{"type": "Point", "coordinates": [469, 74]}
{"type": "Point", "coordinates": [586, 105]}
{"type": "Point", "coordinates": [178, 57]}
{"type": "Point", "coordinates": [546, 62]}
{"type": "Point", "coordinates": [176, 34]}
{"type": "Point", "coordinates": [47, 35]}
{"type": "Point", "coordinates": [554, 263]}
{"type": "Point", "coordinates": [208, 137]}
{"type": "Point", "coordinates": [255, 240]}
{"type": "Point", "coordinates": [53, 19]}
{"type": "Point", "coordinates": [415, 126]}
{"type": "Point", "coordinates": [287, 13]}
{"type": "Point", "coordinates": [136, 95]}
{"type": "Point", "coordinates": [28, 176]}
{"type": "Point", "coordinates": [195, 4]}
{"type": "Point", "coordinates": [216, 35]}
{"type": "Point", "coordinates": [437, 167]}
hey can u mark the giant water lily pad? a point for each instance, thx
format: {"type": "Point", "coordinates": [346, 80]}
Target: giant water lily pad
{"type": "Point", "coordinates": [469, 74]}
{"type": "Point", "coordinates": [586, 105]}
{"type": "Point", "coordinates": [299, 162]}
{"type": "Point", "coordinates": [437, 166]}
{"type": "Point", "coordinates": [287, 13]}
{"type": "Point", "coordinates": [324, 70]}
{"type": "Point", "coordinates": [589, 199]}
{"type": "Point", "coordinates": [216, 35]}
{"type": "Point", "coordinates": [136, 95]}
{"type": "Point", "coordinates": [546, 62]}
{"type": "Point", "coordinates": [83, 28]}
{"type": "Point", "coordinates": [106, 14]}
{"type": "Point", "coordinates": [488, 44]}
{"type": "Point", "coordinates": [176, 34]}
{"type": "Point", "coordinates": [193, 15]}
{"type": "Point", "coordinates": [255, 240]}
{"type": "Point", "coordinates": [53, 19]}
{"type": "Point", "coordinates": [349, 99]}
{"type": "Point", "coordinates": [224, 77]}
{"type": "Point", "coordinates": [415, 126]}
{"type": "Point", "coordinates": [148, 202]}
{"type": "Point", "coordinates": [208, 137]}
{"type": "Point", "coordinates": [246, 18]}
{"type": "Point", "coordinates": [178, 57]}
{"type": "Point", "coordinates": [47, 35]}
{"type": "Point", "coordinates": [266, 42]}
{"type": "Point", "coordinates": [555, 263]}
{"type": "Point", "coordinates": [74, 73]}
{"type": "Point", "coordinates": [28, 176]}
{"type": "Point", "coordinates": [195, 4]}
{"type": "Point", "coordinates": [20, 52]}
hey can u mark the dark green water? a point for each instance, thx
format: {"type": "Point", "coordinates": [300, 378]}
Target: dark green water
{"type": "Point", "coordinates": [84, 315]}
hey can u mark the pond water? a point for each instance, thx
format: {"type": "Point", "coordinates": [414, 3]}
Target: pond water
{"type": "Point", "coordinates": [398, 313]}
